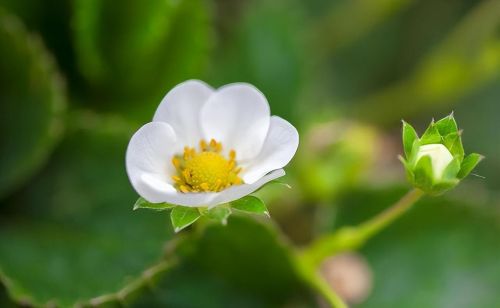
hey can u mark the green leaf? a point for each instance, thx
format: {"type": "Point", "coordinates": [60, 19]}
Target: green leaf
{"type": "Point", "coordinates": [140, 48]}
{"type": "Point", "coordinates": [250, 204]}
{"type": "Point", "coordinates": [468, 164]}
{"type": "Point", "coordinates": [67, 237]}
{"type": "Point", "coordinates": [183, 216]}
{"type": "Point", "coordinates": [434, 246]}
{"type": "Point", "coordinates": [447, 71]}
{"type": "Point", "coordinates": [220, 213]}
{"type": "Point", "coordinates": [409, 137]}
{"type": "Point", "coordinates": [278, 74]}
{"type": "Point", "coordinates": [32, 100]}
{"type": "Point", "coordinates": [243, 264]}
{"type": "Point", "coordinates": [4, 298]}
{"type": "Point", "coordinates": [447, 125]}
{"type": "Point", "coordinates": [424, 176]}
{"type": "Point", "coordinates": [142, 203]}
{"type": "Point", "coordinates": [431, 135]}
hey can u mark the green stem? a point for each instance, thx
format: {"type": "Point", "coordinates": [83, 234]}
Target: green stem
{"type": "Point", "coordinates": [373, 226]}
{"type": "Point", "coordinates": [350, 238]}
{"type": "Point", "coordinates": [314, 280]}
{"type": "Point", "coordinates": [145, 280]}
{"type": "Point", "coordinates": [327, 292]}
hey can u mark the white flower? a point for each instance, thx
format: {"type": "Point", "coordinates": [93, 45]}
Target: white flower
{"type": "Point", "coordinates": [440, 157]}
{"type": "Point", "coordinates": [207, 147]}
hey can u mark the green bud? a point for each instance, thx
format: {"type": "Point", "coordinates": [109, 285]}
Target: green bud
{"type": "Point", "coordinates": [435, 162]}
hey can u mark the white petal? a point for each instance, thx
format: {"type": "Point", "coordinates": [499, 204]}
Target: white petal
{"type": "Point", "coordinates": [237, 115]}
{"type": "Point", "coordinates": [440, 157]}
{"type": "Point", "coordinates": [279, 148]}
{"type": "Point", "coordinates": [238, 191]}
{"type": "Point", "coordinates": [181, 109]}
{"type": "Point", "coordinates": [150, 151]}
{"type": "Point", "coordinates": [158, 191]}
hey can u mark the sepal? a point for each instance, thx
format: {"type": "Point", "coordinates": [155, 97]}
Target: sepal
{"type": "Point", "coordinates": [250, 204]}
{"type": "Point", "coordinates": [409, 137]}
{"type": "Point", "coordinates": [182, 217]}
{"type": "Point", "coordinates": [142, 203]}
{"type": "Point", "coordinates": [219, 213]}
{"type": "Point", "coordinates": [468, 164]}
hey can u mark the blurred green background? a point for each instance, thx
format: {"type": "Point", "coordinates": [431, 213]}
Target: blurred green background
{"type": "Point", "coordinates": [78, 77]}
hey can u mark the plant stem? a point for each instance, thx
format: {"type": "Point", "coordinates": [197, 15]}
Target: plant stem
{"type": "Point", "coordinates": [327, 292]}
{"type": "Point", "coordinates": [368, 229]}
{"type": "Point", "coordinates": [314, 280]}
{"type": "Point", "coordinates": [350, 238]}
{"type": "Point", "coordinates": [145, 280]}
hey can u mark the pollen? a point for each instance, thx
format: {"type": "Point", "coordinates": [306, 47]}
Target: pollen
{"type": "Point", "coordinates": [206, 169]}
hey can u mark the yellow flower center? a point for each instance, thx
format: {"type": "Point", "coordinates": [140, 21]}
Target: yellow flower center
{"type": "Point", "coordinates": [206, 169]}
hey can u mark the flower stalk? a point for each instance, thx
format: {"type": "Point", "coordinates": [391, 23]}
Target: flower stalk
{"type": "Point", "coordinates": [350, 238]}
{"type": "Point", "coordinates": [326, 291]}
{"type": "Point", "coordinates": [312, 277]}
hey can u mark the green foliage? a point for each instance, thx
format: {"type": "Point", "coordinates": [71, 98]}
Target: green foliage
{"type": "Point", "coordinates": [4, 299]}
{"type": "Point", "coordinates": [344, 23]}
{"type": "Point", "coordinates": [32, 102]}
{"type": "Point", "coordinates": [442, 251]}
{"type": "Point", "coordinates": [464, 60]}
{"type": "Point", "coordinates": [51, 20]}
{"type": "Point", "coordinates": [70, 236]}
{"type": "Point", "coordinates": [133, 52]}
{"type": "Point", "coordinates": [224, 267]}
{"type": "Point", "coordinates": [263, 46]}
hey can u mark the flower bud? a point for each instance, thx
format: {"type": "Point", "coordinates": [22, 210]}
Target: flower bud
{"type": "Point", "coordinates": [436, 162]}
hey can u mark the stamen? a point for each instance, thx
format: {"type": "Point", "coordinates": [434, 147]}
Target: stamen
{"type": "Point", "coordinates": [203, 145]}
{"type": "Point", "coordinates": [205, 170]}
